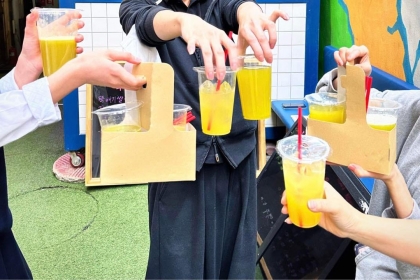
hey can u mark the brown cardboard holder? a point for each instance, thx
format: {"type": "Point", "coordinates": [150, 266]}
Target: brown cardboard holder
{"type": "Point", "coordinates": [160, 154]}
{"type": "Point", "coordinates": [355, 141]}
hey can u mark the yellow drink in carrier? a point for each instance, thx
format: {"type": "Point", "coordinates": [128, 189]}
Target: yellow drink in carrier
{"type": "Point", "coordinates": [381, 122]}
{"type": "Point", "coordinates": [122, 128]}
{"type": "Point", "coordinates": [254, 82]}
{"type": "Point", "coordinates": [56, 51]}
{"type": "Point", "coordinates": [328, 113]}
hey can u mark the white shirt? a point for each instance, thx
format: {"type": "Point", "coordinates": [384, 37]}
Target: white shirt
{"type": "Point", "coordinates": [24, 110]}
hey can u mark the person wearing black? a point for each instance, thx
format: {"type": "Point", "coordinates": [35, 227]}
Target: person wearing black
{"type": "Point", "coordinates": [206, 228]}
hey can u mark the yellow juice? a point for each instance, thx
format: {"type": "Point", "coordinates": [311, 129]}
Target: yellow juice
{"type": "Point", "coordinates": [381, 122]}
{"type": "Point", "coordinates": [255, 91]}
{"type": "Point", "coordinates": [180, 127]}
{"type": "Point", "coordinates": [122, 128]}
{"type": "Point", "coordinates": [56, 51]}
{"type": "Point", "coordinates": [328, 113]}
{"type": "Point", "coordinates": [303, 182]}
{"type": "Point", "coordinates": [216, 109]}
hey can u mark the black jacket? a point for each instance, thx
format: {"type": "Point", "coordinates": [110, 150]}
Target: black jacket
{"type": "Point", "coordinates": [220, 13]}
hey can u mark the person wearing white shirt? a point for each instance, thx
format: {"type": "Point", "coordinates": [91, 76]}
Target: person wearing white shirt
{"type": "Point", "coordinates": [27, 102]}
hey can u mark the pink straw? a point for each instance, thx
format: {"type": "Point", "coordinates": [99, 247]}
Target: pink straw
{"type": "Point", "coordinates": [300, 132]}
{"type": "Point", "coordinates": [368, 85]}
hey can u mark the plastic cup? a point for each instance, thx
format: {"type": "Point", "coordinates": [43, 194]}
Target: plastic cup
{"type": "Point", "coordinates": [124, 117]}
{"type": "Point", "coordinates": [254, 82]}
{"type": "Point", "coordinates": [57, 29]}
{"type": "Point", "coordinates": [327, 107]}
{"type": "Point", "coordinates": [382, 114]}
{"type": "Point", "coordinates": [180, 116]}
{"type": "Point", "coordinates": [216, 104]}
{"type": "Point", "coordinates": [304, 178]}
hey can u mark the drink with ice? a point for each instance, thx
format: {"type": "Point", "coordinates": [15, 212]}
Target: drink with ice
{"type": "Point", "coordinates": [303, 177]}
{"type": "Point", "coordinates": [216, 108]}
{"type": "Point", "coordinates": [216, 101]}
{"type": "Point", "coordinates": [327, 107]}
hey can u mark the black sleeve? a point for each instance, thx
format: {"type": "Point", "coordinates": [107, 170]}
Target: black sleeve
{"type": "Point", "coordinates": [230, 10]}
{"type": "Point", "coordinates": [141, 13]}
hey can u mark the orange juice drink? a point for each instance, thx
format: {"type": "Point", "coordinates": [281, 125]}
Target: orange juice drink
{"type": "Point", "coordinates": [57, 30]}
{"type": "Point", "coordinates": [381, 122]}
{"type": "Point", "coordinates": [303, 176]}
{"type": "Point", "coordinates": [303, 182]}
{"type": "Point", "coordinates": [56, 51]}
{"type": "Point", "coordinates": [216, 108]}
{"type": "Point", "coordinates": [254, 84]}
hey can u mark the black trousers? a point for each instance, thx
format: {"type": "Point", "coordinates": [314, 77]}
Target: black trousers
{"type": "Point", "coordinates": [205, 229]}
{"type": "Point", "coordinates": [12, 262]}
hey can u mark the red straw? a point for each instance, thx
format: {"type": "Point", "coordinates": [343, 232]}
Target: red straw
{"type": "Point", "coordinates": [300, 132]}
{"type": "Point", "coordinates": [368, 85]}
{"type": "Point", "coordinates": [226, 55]}
{"type": "Point", "coordinates": [218, 84]}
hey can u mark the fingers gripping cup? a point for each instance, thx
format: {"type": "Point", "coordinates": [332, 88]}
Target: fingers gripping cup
{"type": "Point", "coordinates": [382, 114]}
{"type": "Point", "coordinates": [124, 117]}
{"type": "Point", "coordinates": [216, 102]}
{"type": "Point", "coordinates": [254, 82]}
{"type": "Point", "coordinates": [304, 177]}
{"type": "Point", "coordinates": [57, 29]}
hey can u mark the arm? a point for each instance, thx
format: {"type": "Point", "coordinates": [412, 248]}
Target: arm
{"type": "Point", "coordinates": [396, 238]}
{"type": "Point", "coordinates": [24, 110]}
{"type": "Point", "coordinates": [400, 195]}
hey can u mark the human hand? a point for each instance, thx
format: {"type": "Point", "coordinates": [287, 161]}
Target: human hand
{"type": "Point", "coordinates": [360, 55]}
{"type": "Point", "coordinates": [29, 65]}
{"type": "Point", "coordinates": [338, 216]}
{"type": "Point", "coordinates": [252, 27]}
{"type": "Point", "coordinates": [386, 178]}
{"type": "Point", "coordinates": [211, 40]}
{"type": "Point", "coordinates": [99, 68]}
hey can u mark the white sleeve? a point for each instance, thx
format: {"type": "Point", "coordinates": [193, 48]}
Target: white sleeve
{"type": "Point", "coordinates": [24, 110]}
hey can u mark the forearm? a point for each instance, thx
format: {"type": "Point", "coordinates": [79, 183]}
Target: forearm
{"type": "Point", "coordinates": [400, 195]}
{"type": "Point", "coordinates": [396, 238]}
{"type": "Point", "coordinates": [66, 79]}
{"type": "Point", "coordinates": [167, 24]}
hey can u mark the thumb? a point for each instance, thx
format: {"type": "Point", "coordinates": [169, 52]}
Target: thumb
{"type": "Point", "coordinates": [32, 18]}
{"type": "Point", "coordinates": [325, 205]}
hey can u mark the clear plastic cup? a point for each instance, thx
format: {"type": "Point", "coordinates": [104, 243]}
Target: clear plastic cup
{"type": "Point", "coordinates": [382, 114]}
{"type": "Point", "coordinates": [57, 29]}
{"type": "Point", "coordinates": [254, 83]}
{"type": "Point", "coordinates": [124, 117]}
{"type": "Point", "coordinates": [327, 107]}
{"type": "Point", "coordinates": [180, 116]}
{"type": "Point", "coordinates": [304, 178]}
{"type": "Point", "coordinates": [216, 101]}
